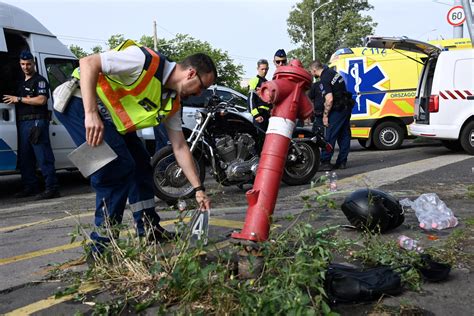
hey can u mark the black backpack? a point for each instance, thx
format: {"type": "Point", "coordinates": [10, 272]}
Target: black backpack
{"type": "Point", "coordinates": [346, 284]}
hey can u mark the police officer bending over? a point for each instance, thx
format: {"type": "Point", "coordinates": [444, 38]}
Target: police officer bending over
{"type": "Point", "coordinates": [33, 131]}
{"type": "Point", "coordinates": [117, 88]}
{"type": "Point", "coordinates": [336, 114]}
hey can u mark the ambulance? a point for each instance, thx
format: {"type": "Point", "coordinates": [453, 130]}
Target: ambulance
{"type": "Point", "coordinates": [21, 31]}
{"type": "Point", "coordinates": [383, 83]}
{"type": "Point", "coordinates": [444, 101]}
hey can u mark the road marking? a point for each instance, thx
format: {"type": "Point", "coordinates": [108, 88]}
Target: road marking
{"type": "Point", "coordinates": [43, 252]}
{"type": "Point", "coordinates": [44, 221]}
{"type": "Point", "coordinates": [378, 178]}
{"type": "Point", "coordinates": [83, 289]}
{"type": "Point", "coordinates": [51, 301]}
{"type": "Point", "coordinates": [226, 223]}
{"type": "Point", "coordinates": [39, 253]}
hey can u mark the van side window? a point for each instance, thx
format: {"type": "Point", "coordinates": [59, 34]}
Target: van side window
{"type": "Point", "coordinates": [463, 78]}
{"type": "Point", "coordinates": [59, 70]}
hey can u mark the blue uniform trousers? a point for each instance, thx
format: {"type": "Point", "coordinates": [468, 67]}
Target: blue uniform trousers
{"type": "Point", "coordinates": [29, 154]}
{"type": "Point", "coordinates": [161, 137]}
{"type": "Point", "coordinates": [129, 176]}
{"type": "Point", "coordinates": [339, 130]}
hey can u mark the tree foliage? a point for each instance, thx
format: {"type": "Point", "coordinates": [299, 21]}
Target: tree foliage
{"type": "Point", "coordinates": [78, 51]}
{"type": "Point", "coordinates": [184, 45]}
{"type": "Point", "coordinates": [337, 24]}
{"type": "Point", "coordinates": [176, 49]}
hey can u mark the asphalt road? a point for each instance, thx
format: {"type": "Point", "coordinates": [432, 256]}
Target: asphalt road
{"type": "Point", "coordinates": [35, 235]}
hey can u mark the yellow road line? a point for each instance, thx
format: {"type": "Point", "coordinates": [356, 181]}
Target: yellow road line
{"type": "Point", "coordinates": [51, 301]}
{"type": "Point", "coordinates": [48, 251]}
{"type": "Point", "coordinates": [39, 253]}
{"type": "Point", "coordinates": [226, 223]}
{"type": "Point", "coordinates": [44, 221]}
{"type": "Point", "coordinates": [83, 289]}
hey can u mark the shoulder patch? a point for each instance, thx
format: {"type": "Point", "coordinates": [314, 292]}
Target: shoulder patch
{"type": "Point", "coordinates": [42, 84]}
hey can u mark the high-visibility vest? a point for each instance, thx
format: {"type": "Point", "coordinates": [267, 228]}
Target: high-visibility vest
{"type": "Point", "coordinates": [140, 104]}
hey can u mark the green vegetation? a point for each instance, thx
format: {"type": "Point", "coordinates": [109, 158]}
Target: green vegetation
{"type": "Point", "coordinates": [229, 73]}
{"type": "Point", "coordinates": [338, 24]}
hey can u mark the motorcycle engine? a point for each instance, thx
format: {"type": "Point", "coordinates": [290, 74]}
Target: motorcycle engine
{"type": "Point", "coordinates": [238, 157]}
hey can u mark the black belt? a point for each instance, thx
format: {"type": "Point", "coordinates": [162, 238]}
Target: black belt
{"type": "Point", "coordinates": [29, 117]}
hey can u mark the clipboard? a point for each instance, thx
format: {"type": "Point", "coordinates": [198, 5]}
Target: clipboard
{"type": "Point", "coordinates": [89, 159]}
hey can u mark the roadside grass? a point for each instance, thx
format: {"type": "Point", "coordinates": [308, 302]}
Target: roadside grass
{"type": "Point", "coordinates": [179, 278]}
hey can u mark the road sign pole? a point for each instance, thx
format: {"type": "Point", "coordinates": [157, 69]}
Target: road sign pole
{"type": "Point", "coordinates": [458, 29]}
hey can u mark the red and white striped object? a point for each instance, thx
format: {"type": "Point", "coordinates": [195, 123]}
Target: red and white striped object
{"type": "Point", "coordinates": [455, 94]}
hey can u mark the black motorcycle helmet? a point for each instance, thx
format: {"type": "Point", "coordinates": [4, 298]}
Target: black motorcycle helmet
{"type": "Point", "coordinates": [373, 210]}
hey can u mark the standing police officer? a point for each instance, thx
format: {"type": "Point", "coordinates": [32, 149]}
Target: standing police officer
{"type": "Point", "coordinates": [336, 114]}
{"type": "Point", "coordinates": [33, 131]}
{"type": "Point", "coordinates": [260, 110]}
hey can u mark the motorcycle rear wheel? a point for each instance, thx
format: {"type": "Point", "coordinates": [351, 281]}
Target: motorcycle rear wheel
{"type": "Point", "coordinates": [168, 186]}
{"type": "Point", "coordinates": [305, 167]}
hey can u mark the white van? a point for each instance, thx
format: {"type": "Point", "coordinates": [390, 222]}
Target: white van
{"type": "Point", "coordinates": [444, 101]}
{"type": "Point", "coordinates": [54, 61]}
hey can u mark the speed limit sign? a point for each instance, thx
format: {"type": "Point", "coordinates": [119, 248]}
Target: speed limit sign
{"type": "Point", "coordinates": [456, 16]}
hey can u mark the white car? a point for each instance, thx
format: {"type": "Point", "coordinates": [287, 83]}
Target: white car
{"type": "Point", "coordinates": [193, 103]}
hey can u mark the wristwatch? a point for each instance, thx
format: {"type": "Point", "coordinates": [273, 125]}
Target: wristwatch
{"type": "Point", "coordinates": [19, 99]}
{"type": "Point", "coordinates": [200, 188]}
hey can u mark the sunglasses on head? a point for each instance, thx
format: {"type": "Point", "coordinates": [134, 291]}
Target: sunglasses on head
{"type": "Point", "coordinates": [281, 61]}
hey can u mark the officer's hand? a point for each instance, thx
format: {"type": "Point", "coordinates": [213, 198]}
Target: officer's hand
{"type": "Point", "coordinates": [94, 129]}
{"type": "Point", "coordinates": [326, 121]}
{"type": "Point", "coordinates": [259, 119]}
{"type": "Point", "coordinates": [203, 201]}
{"type": "Point", "coordinates": [10, 99]}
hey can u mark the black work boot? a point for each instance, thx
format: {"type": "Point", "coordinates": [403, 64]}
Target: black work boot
{"type": "Point", "coordinates": [48, 194]}
{"type": "Point", "coordinates": [25, 193]}
{"type": "Point", "coordinates": [325, 166]}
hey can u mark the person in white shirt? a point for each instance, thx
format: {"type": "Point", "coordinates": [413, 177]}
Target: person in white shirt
{"type": "Point", "coordinates": [114, 86]}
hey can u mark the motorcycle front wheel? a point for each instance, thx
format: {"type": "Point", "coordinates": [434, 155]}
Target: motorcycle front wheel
{"type": "Point", "coordinates": [301, 168]}
{"type": "Point", "coordinates": [170, 184]}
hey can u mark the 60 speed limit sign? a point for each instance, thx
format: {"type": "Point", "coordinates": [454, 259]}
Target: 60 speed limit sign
{"type": "Point", "coordinates": [456, 16]}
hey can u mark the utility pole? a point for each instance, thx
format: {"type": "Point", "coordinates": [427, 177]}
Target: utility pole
{"type": "Point", "coordinates": [155, 38]}
{"type": "Point", "coordinates": [313, 25]}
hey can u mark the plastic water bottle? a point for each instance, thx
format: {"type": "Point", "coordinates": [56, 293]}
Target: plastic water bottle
{"type": "Point", "coordinates": [326, 178]}
{"type": "Point", "coordinates": [445, 223]}
{"type": "Point", "coordinates": [407, 243]}
{"type": "Point", "coordinates": [333, 182]}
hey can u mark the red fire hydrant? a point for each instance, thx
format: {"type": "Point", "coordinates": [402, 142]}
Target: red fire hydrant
{"type": "Point", "coordinates": [287, 94]}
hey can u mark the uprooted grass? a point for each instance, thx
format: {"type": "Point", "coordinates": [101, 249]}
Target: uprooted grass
{"type": "Point", "coordinates": [182, 279]}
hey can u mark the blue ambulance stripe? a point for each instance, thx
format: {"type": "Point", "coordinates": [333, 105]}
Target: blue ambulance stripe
{"type": "Point", "coordinates": [7, 157]}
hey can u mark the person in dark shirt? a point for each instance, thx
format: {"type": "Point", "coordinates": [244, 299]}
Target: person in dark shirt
{"type": "Point", "coordinates": [336, 114]}
{"type": "Point", "coordinates": [318, 103]}
{"type": "Point", "coordinates": [260, 110]}
{"type": "Point", "coordinates": [33, 131]}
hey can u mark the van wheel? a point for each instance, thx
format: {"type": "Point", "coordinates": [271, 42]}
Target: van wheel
{"type": "Point", "coordinates": [388, 136]}
{"type": "Point", "coordinates": [454, 145]}
{"type": "Point", "coordinates": [467, 138]}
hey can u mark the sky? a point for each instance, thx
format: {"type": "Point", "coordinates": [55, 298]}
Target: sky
{"type": "Point", "coordinates": [248, 30]}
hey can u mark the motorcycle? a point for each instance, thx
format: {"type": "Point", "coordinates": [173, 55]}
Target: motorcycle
{"type": "Point", "coordinates": [228, 142]}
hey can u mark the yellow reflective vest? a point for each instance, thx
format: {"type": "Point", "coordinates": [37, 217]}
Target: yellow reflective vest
{"type": "Point", "coordinates": [140, 104]}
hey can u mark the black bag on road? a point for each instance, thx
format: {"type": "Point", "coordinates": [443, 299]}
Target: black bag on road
{"type": "Point", "coordinates": [346, 284]}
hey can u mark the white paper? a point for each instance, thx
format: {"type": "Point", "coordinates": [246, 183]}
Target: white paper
{"type": "Point", "coordinates": [89, 159]}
